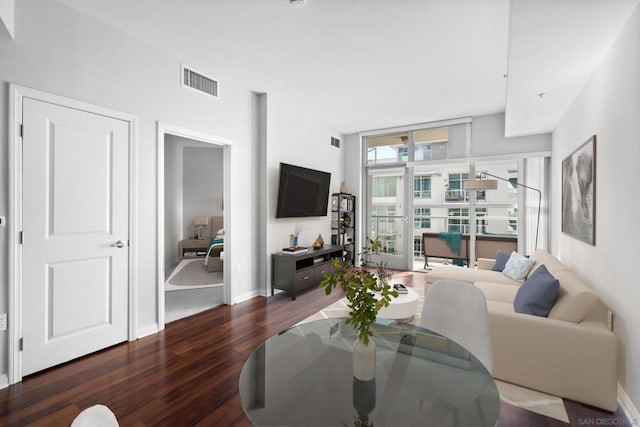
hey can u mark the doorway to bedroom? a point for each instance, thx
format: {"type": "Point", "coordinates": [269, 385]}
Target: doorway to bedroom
{"type": "Point", "coordinates": [191, 237]}
{"type": "Point", "coordinates": [193, 226]}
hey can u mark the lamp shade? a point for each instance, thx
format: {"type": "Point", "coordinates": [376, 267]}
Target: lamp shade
{"type": "Point", "coordinates": [201, 220]}
{"type": "Point", "coordinates": [481, 184]}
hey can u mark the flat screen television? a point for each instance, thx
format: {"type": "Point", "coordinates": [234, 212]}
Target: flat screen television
{"type": "Point", "coordinates": [302, 192]}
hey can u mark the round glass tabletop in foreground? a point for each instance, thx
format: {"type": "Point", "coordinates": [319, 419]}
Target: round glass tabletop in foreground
{"type": "Point", "coordinates": [304, 376]}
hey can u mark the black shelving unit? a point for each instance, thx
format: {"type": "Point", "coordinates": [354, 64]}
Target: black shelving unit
{"type": "Point", "coordinates": [343, 224]}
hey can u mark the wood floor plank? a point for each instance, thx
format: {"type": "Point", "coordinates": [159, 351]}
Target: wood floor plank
{"type": "Point", "coordinates": [186, 374]}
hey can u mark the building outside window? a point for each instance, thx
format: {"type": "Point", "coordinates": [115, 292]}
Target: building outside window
{"type": "Point", "coordinates": [422, 218]}
{"type": "Point", "coordinates": [459, 220]}
{"type": "Point", "coordinates": [384, 186]}
{"type": "Point", "coordinates": [456, 192]}
{"type": "Point", "coordinates": [418, 252]}
{"type": "Point", "coordinates": [513, 223]}
{"type": "Point", "coordinates": [422, 152]}
{"type": "Point", "coordinates": [422, 187]}
{"type": "Point", "coordinates": [512, 188]}
{"type": "Point", "coordinates": [384, 221]}
{"type": "Point", "coordinates": [403, 154]}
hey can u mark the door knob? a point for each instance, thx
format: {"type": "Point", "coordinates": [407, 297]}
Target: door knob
{"type": "Point", "coordinates": [118, 244]}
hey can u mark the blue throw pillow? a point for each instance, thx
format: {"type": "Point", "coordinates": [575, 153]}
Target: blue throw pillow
{"type": "Point", "coordinates": [537, 294]}
{"type": "Point", "coordinates": [501, 260]}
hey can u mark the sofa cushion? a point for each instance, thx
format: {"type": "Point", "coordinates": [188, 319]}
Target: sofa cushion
{"type": "Point", "coordinates": [501, 260]}
{"type": "Point", "coordinates": [469, 275]}
{"type": "Point", "coordinates": [518, 266]}
{"type": "Point", "coordinates": [575, 298]}
{"type": "Point", "coordinates": [498, 291]}
{"type": "Point", "coordinates": [537, 294]}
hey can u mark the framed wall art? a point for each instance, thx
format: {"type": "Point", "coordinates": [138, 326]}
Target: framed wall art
{"type": "Point", "coordinates": [579, 192]}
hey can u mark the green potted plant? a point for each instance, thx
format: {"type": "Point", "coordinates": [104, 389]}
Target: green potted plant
{"type": "Point", "coordinates": [366, 294]}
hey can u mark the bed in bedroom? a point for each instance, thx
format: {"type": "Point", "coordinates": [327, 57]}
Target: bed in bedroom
{"type": "Point", "coordinates": [215, 254]}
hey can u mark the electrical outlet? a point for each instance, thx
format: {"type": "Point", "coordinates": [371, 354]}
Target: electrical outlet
{"type": "Point", "coordinates": [610, 320]}
{"type": "Point", "coordinates": [3, 322]}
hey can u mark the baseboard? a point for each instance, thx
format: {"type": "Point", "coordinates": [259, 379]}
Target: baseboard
{"type": "Point", "coordinates": [628, 407]}
{"type": "Point", "coordinates": [147, 330]}
{"type": "Point", "coordinates": [247, 296]}
{"type": "Point", "coordinates": [4, 381]}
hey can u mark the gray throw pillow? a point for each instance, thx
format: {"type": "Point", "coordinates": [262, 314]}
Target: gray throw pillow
{"type": "Point", "coordinates": [518, 266]}
{"type": "Point", "coordinates": [537, 294]}
{"type": "Point", "coordinates": [501, 260]}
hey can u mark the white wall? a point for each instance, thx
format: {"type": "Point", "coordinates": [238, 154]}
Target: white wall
{"type": "Point", "coordinates": [289, 142]}
{"type": "Point", "coordinates": [202, 186]}
{"type": "Point", "coordinates": [487, 138]}
{"type": "Point", "coordinates": [7, 16]}
{"type": "Point", "coordinates": [62, 51]}
{"type": "Point", "coordinates": [609, 107]}
{"type": "Point", "coordinates": [172, 201]}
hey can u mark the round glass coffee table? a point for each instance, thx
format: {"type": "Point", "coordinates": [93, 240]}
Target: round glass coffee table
{"type": "Point", "coordinates": [304, 376]}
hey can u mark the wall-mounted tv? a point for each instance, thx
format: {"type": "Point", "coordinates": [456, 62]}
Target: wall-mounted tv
{"type": "Point", "coordinates": [302, 192]}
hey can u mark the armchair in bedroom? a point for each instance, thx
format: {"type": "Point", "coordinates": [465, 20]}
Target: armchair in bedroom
{"type": "Point", "coordinates": [215, 254]}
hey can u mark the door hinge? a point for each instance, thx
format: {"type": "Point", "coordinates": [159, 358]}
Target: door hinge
{"type": "Point", "coordinates": [20, 237]}
{"type": "Point", "coordinates": [21, 344]}
{"type": "Point", "coordinates": [21, 130]}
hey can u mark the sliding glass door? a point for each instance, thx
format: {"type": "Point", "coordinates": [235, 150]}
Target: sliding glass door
{"type": "Point", "coordinates": [387, 215]}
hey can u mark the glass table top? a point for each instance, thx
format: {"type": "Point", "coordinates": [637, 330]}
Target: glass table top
{"type": "Point", "coordinates": [304, 376]}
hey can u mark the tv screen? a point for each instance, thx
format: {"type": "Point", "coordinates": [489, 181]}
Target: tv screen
{"type": "Point", "coordinates": [302, 192]}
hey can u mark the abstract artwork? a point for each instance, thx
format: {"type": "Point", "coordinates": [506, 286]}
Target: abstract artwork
{"type": "Point", "coordinates": [579, 192]}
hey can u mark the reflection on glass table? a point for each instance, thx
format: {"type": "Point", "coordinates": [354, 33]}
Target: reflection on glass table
{"type": "Point", "coordinates": [304, 376]}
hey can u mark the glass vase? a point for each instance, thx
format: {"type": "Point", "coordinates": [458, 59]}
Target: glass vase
{"type": "Point", "coordinates": [364, 360]}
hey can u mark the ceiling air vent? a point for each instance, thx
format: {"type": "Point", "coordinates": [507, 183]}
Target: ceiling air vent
{"type": "Point", "coordinates": [335, 142]}
{"type": "Point", "coordinates": [198, 81]}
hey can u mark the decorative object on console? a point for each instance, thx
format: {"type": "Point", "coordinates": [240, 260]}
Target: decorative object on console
{"type": "Point", "coordinates": [293, 238]}
{"type": "Point", "coordinates": [319, 242]}
{"type": "Point", "coordinates": [201, 223]}
{"type": "Point", "coordinates": [492, 184]}
{"type": "Point", "coordinates": [360, 287]}
{"type": "Point", "coordinates": [579, 192]}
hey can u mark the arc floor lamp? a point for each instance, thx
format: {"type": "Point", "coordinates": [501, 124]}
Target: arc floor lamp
{"type": "Point", "coordinates": [491, 184]}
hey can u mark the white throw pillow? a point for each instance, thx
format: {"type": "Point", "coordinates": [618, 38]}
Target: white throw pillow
{"type": "Point", "coordinates": [518, 266]}
{"type": "Point", "coordinates": [220, 232]}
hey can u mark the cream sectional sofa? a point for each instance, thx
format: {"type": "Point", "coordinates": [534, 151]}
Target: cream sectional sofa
{"type": "Point", "coordinates": [571, 353]}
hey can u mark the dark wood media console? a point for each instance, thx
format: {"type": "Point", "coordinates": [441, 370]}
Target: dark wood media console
{"type": "Point", "coordinates": [293, 273]}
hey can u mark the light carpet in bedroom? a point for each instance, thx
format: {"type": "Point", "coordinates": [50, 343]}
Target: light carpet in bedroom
{"type": "Point", "coordinates": [530, 400]}
{"type": "Point", "coordinates": [191, 274]}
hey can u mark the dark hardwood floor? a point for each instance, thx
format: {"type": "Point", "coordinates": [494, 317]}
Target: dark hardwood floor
{"type": "Point", "coordinates": [188, 374]}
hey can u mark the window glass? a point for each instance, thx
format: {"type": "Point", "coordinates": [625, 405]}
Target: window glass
{"type": "Point", "coordinates": [384, 186]}
{"type": "Point", "coordinates": [387, 149]}
{"type": "Point", "coordinates": [422, 187]}
{"type": "Point", "coordinates": [459, 220]}
{"type": "Point", "coordinates": [431, 144]}
{"type": "Point", "coordinates": [422, 218]}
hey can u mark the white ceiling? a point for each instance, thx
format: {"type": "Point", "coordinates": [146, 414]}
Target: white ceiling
{"type": "Point", "coordinates": [368, 64]}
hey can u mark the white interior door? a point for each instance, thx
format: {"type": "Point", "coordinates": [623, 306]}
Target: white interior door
{"type": "Point", "coordinates": [75, 268]}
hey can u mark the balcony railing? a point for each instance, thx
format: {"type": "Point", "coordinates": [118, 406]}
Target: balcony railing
{"type": "Point", "coordinates": [457, 195]}
{"type": "Point", "coordinates": [421, 194]}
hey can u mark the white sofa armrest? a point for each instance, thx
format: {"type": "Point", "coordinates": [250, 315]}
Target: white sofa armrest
{"type": "Point", "coordinates": [573, 360]}
{"type": "Point", "coordinates": [485, 263]}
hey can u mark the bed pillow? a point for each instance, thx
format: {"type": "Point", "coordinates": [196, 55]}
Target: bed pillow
{"type": "Point", "coordinates": [518, 266]}
{"type": "Point", "coordinates": [537, 294]}
{"type": "Point", "coordinates": [501, 260]}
